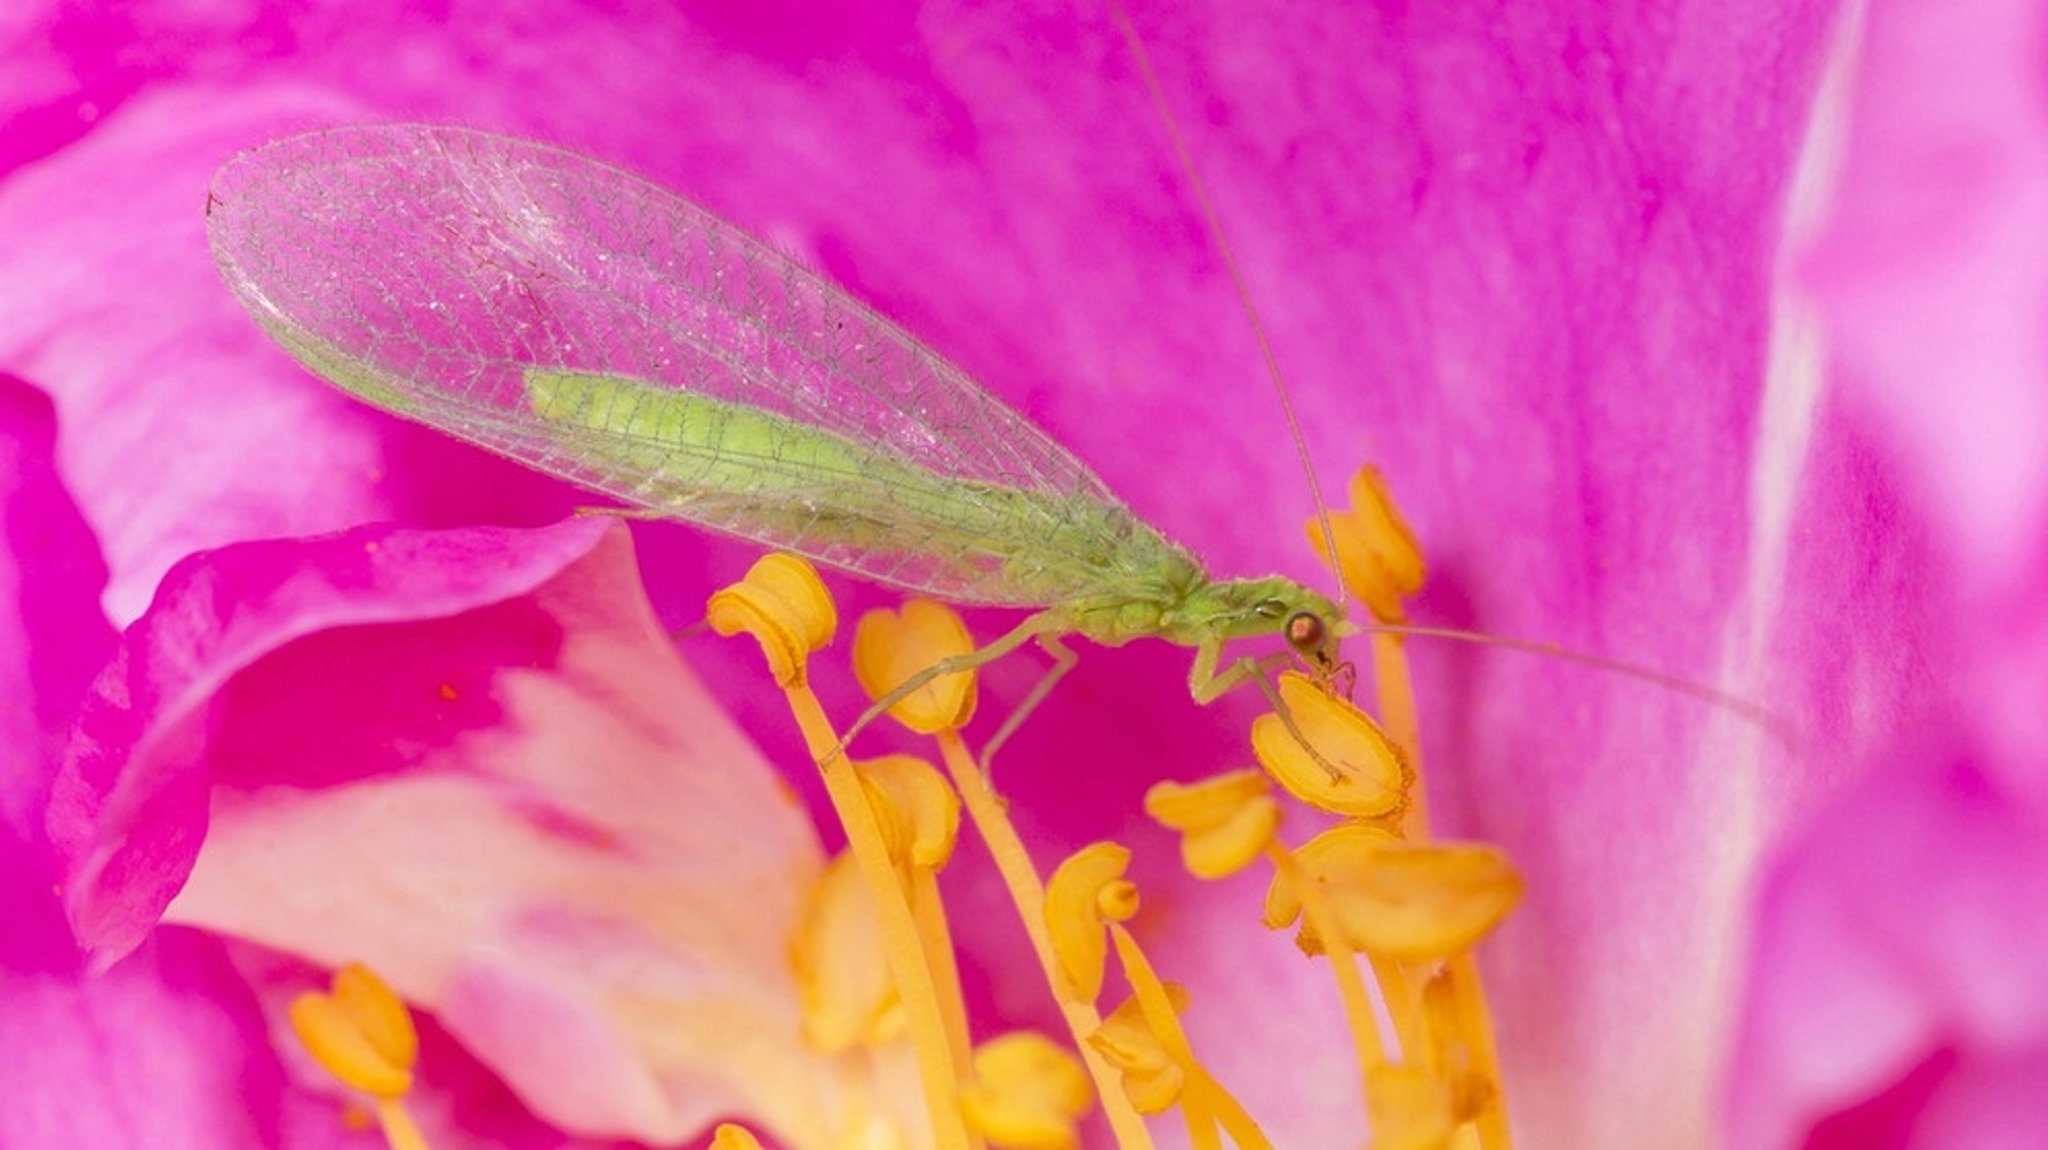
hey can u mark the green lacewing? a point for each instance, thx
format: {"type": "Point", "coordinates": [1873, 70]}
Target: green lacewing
{"type": "Point", "coordinates": [592, 325]}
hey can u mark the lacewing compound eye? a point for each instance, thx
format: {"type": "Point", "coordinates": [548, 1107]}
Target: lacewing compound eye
{"type": "Point", "coordinates": [1307, 634]}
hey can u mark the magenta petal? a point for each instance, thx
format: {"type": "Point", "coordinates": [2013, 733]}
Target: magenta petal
{"type": "Point", "coordinates": [1934, 270]}
{"type": "Point", "coordinates": [181, 429]}
{"type": "Point", "coordinates": [53, 637]}
{"type": "Point", "coordinates": [1933, 273]}
{"type": "Point", "coordinates": [130, 806]}
{"type": "Point", "coordinates": [165, 1051]}
{"type": "Point", "coordinates": [1898, 982]}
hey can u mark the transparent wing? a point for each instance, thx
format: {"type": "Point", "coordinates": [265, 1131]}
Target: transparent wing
{"type": "Point", "coordinates": [433, 270]}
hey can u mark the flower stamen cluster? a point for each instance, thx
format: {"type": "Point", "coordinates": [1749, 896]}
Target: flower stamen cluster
{"type": "Point", "coordinates": [877, 963]}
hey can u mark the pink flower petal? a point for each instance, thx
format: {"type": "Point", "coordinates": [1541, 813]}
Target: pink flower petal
{"type": "Point", "coordinates": [1523, 259]}
{"type": "Point", "coordinates": [1934, 272]}
{"type": "Point", "coordinates": [1894, 994]}
{"type": "Point", "coordinates": [1898, 983]}
{"type": "Point", "coordinates": [166, 1050]}
{"type": "Point", "coordinates": [243, 447]}
{"type": "Point", "coordinates": [53, 638]}
{"type": "Point", "coordinates": [460, 1102]}
{"type": "Point", "coordinates": [1932, 276]}
{"type": "Point", "coordinates": [129, 807]}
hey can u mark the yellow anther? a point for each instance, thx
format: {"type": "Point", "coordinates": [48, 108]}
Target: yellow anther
{"type": "Point", "coordinates": [1152, 1080]}
{"type": "Point", "coordinates": [784, 605]}
{"type": "Point", "coordinates": [1377, 555]}
{"type": "Point", "coordinates": [378, 1012]}
{"type": "Point", "coordinates": [1322, 857]}
{"type": "Point", "coordinates": [1411, 902]}
{"type": "Point", "coordinates": [917, 810]}
{"type": "Point", "coordinates": [1075, 911]}
{"type": "Point", "coordinates": [1117, 901]}
{"type": "Point", "coordinates": [1225, 821]}
{"type": "Point", "coordinates": [888, 648]}
{"type": "Point", "coordinates": [730, 1137]}
{"type": "Point", "coordinates": [361, 1032]}
{"type": "Point", "coordinates": [1372, 778]}
{"type": "Point", "coordinates": [1028, 1092]}
{"type": "Point", "coordinates": [1411, 1109]}
{"type": "Point", "coordinates": [848, 992]}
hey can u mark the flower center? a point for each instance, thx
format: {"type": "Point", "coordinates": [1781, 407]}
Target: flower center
{"type": "Point", "coordinates": [876, 959]}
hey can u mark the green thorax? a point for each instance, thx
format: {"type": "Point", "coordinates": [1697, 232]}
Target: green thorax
{"type": "Point", "coordinates": [1191, 610]}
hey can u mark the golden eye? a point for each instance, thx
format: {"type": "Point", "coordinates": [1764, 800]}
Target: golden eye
{"type": "Point", "coordinates": [1306, 632]}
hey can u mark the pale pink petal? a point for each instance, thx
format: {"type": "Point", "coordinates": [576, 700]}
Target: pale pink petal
{"type": "Point", "coordinates": [1898, 987]}
{"type": "Point", "coordinates": [1934, 277]}
{"type": "Point", "coordinates": [1934, 271]}
{"type": "Point", "coordinates": [462, 1102]}
{"type": "Point", "coordinates": [1895, 995]}
{"type": "Point", "coordinates": [129, 808]}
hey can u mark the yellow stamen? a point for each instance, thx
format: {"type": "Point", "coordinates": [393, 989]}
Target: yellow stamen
{"type": "Point", "coordinates": [1377, 555]}
{"type": "Point", "coordinates": [1412, 902]}
{"type": "Point", "coordinates": [1412, 1109]}
{"type": "Point", "coordinates": [1289, 872]}
{"type": "Point", "coordinates": [1461, 1033]}
{"type": "Point", "coordinates": [361, 1033]}
{"type": "Point", "coordinates": [1027, 892]}
{"type": "Point", "coordinates": [731, 1137]}
{"type": "Point", "coordinates": [329, 1035]}
{"type": "Point", "coordinates": [1083, 893]}
{"type": "Point", "coordinates": [919, 813]}
{"type": "Point", "coordinates": [888, 648]}
{"type": "Point", "coordinates": [1028, 1093]}
{"type": "Point", "coordinates": [1203, 1101]}
{"type": "Point", "coordinates": [353, 1034]}
{"type": "Point", "coordinates": [1381, 565]}
{"type": "Point", "coordinates": [378, 1012]}
{"type": "Point", "coordinates": [1395, 695]}
{"type": "Point", "coordinates": [1305, 877]}
{"type": "Point", "coordinates": [1225, 821]}
{"type": "Point", "coordinates": [1152, 1080]}
{"type": "Point", "coordinates": [1375, 887]}
{"type": "Point", "coordinates": [1373, 780]}
{"type": "Point", "coordinates": [849, 999]}
{"type": "Point", "coordinates": [785, 606]}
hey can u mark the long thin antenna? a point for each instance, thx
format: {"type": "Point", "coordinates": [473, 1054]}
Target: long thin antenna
{"type": "Point", "coordinates": [1765, 718]}
{"type": "Point", "coordinates": [1244, 292]}
{"type": "Point", "coordinates": [1769, 721]}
